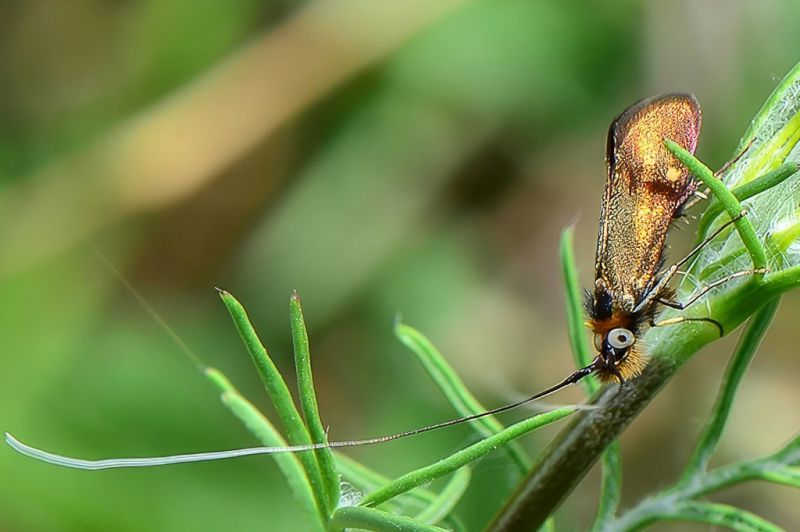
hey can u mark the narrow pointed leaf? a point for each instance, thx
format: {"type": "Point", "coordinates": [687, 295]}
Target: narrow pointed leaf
{"type": "Point", "coordinates": [465, 456]}
{"type": "Point", "coordinates": [296, 432]}
{"type": "Point", "coordinates": [308, 401]}
{"type": "Point", "coordinates": [740, 361]}
{"type": "Point", "coordinates": [268, 435]}
{"type": "Point", "coordinates": [447, 499]}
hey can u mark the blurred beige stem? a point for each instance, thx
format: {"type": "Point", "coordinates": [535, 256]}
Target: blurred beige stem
{"type": "Point", "coordinates": [179, 145]}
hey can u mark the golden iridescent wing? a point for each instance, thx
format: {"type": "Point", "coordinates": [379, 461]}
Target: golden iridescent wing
{"type": "Point", "coordinates": [645, 188]}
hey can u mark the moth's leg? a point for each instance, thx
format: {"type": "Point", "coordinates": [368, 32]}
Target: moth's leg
{"type": "Point", "coordinates": [698, 197]}
{"type": "Point", "coordinates": [681, 319]}
{"type": "Point", "coordinates": [736, 158]}
{"type": "Point", "coordinates": [669, 272]}
{"type": "Point", "coordinates": [703, 195]}
{"type": "Point", "coordinates": [706, 241]}
{"type": "Point", "coordinates": [615, 371]}
{"type": "Point", "coordinates": [683, 305]}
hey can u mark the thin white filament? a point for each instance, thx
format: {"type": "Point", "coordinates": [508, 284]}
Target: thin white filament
{"type": "Point", "coordinates": [114, 463]}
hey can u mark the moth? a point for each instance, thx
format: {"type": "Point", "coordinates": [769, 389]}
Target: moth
{"type": "Point", "coordinates": [646, 188]}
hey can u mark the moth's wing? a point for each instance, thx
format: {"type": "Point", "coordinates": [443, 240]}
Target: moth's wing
{"type": "Point", "coordinates": [645, 187]}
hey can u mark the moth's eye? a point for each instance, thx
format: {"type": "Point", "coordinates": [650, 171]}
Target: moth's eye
{"type": "Point", "coordinates": [620, 338]}
{"type": "Point", "coordinates": [598, 342]}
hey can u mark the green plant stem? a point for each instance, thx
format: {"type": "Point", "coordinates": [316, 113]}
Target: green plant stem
{"type": "Point", "coordinates": [357, 517]}
{"type": "Point", "coordinates": [745, 191]}
{"type": "Point", "coordinates": [732, 474]}
{"type": "Point", "coordinates": [740, 361]}
{"type": "Point", "coordinates": [296, 432]}
{"type": "Point", "coordinates": [661, 509]}
{"type": "Point", "coordinates": [268, 435]}
{"type": "Point", "coordinates": [728, 202]}
{"type": "Point", "coordinates": [454, 390]}
{"type": "Point", "coordinates": [581, 351]}
{"type": "Point", "coordinates": [784, 280]}
{"type": "Point", "coordinates": [463, 457]}
{"type": "Point", "coordinates": [610, 486]}
{"type": "Point", "coordinates": [771, 469]}
{"type": "Point", "coordinates": [308, 401]}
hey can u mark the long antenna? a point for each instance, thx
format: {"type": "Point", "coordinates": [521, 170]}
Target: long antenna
{"type": "Point", "coordinates": [148, 308]}
{"type": "Point", "coordinates": [111, 463]}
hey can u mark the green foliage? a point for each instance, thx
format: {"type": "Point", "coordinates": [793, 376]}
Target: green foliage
{"type": "Point", "coordinates": [290, 464]}
{"type": "Point", "coordinates": [337, 492]}
{"type": "Point", "coordinates": [312, 481]}
{"type": "Point", "coordinates": [454, 128]}
{"type": "Point", "coordinates": [296, 431]}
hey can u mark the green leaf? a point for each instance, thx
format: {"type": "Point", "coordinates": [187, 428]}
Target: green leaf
{"type": "Point", "coordinates": [268, 435]}
{"type": "Point", "coordinates": [789, 476]}
{"type": "Point", "coordinates": [548, 526]}
{"type": "Point", "coordinates": [581, 351]}
{"type": "Point", "coordinates": [610, 486]}
{"type": "Point", "coordinates": [447, 499]}
{"type": "Point", "coordinates": [454, 390]}
{"type": "Point", "coordinates": [371, 519]}
{"type": "Point", "coordinates": [296, 432]}
{"type": "Point", "coordinates": [308, 401]}
{"type": "Point", "coordinates": [461, 458]}
{"type": "Point", "coordinates": [771, 142]}
{"type": "Point", "coordinates": [740, 361]}
{"type": "Point", "coordinates": [771, 130]}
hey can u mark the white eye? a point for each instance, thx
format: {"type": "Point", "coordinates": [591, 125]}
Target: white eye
{"type": "Point", "coordinates": [620, 338]}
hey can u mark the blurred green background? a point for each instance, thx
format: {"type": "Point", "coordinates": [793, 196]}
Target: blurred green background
{"type": "Point", "coordinates": [380, 157]}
